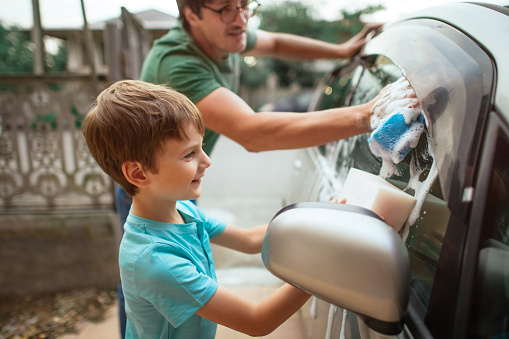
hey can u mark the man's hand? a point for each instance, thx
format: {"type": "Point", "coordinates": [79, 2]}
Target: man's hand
{"type": "Point", "coordinates": [396, 95]}
{"type": "Point", "coordinates": [336, 201]}
{"type": "Point", "coordinates": [357, 42]}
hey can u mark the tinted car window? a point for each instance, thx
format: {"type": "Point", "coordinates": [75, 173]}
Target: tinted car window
{"type": "Point", "coordinates": [424, 238]}
{"type": "Point", "coordinates": [452, 81]}
{"type": "Point", "coordinates": [359, 84]}
{"type": "Point", "coordinates": [453, 77]}
{"type": "Point", "coordinates": [337, 90]}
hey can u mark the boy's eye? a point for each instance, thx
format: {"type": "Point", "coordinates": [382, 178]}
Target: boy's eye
{"type": "Point", "coordinates": [190, 155]}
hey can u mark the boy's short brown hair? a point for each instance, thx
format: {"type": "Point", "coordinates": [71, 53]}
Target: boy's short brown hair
{"type": "Point", "coordinates": [131, 120]}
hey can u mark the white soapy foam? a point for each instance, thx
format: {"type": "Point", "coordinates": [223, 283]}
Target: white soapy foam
{"type": "Point", "coordinates": [421, 189]}
{"type": "Point", "coordinates": [395, 99]}
{"type": "Point", "coordinates": [396, 96]}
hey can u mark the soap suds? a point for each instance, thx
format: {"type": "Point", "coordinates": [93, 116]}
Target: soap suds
{"type": "Point", "coordinates": [397, 99]}
{"type": "Point", "coordinates": [421, 189]}
{"type": "Point", "coordinates": [397, 122]}
{"type": "Point", "coordinates": [392, 98]}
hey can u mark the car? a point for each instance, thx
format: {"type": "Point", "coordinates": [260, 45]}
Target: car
{"type": "Point", "coordinates": [445, 274]}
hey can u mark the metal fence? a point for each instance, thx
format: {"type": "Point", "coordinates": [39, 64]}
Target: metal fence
{"type": "Point", "coordinates": [44, 160]}
{"type": "Point", "coordinates": [45, 164]}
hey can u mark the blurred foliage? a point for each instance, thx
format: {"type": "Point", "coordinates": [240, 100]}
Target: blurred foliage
{"type": "Point", "coordinates": [17, 52]}
{"type": "Point", "coordinates": [297, 18]}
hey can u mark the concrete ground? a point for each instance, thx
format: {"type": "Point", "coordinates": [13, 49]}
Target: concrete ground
{"type": "Point", "coordinates": [245, 189]}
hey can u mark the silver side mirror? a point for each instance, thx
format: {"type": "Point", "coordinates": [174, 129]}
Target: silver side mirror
{"type": "Point", "coordinates": [345, 255]}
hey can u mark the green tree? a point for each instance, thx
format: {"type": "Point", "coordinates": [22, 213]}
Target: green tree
{"type": "Point", "coordinates": [57, 62]}
{"type": "Point", "coordinates": [297, 18]}
{"type": "Point", "coordinates": [351, 23]}
{"type": "Point", "coordinates": [17, 56]}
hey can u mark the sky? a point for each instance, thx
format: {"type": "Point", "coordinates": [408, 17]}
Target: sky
{"type": "Point", "coordinates": [67, 13]}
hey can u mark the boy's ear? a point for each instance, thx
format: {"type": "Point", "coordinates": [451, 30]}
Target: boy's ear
{"type": "Point", "coordinates": [134, 173]}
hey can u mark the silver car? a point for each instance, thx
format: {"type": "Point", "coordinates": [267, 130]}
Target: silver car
{"type": "Point", "coordinates": [446, 273]}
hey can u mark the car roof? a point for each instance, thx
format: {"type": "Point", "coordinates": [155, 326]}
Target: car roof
{"type": "Point", "coordinates": [485, 23]}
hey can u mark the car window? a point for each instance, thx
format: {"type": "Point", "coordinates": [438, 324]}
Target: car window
{"type": "Point", "coordinates": [453, 77]}
{"type": "Point", "coordinates": [490, 307]}
{"type": "Point", "coordinates": [424, 237]}
{"type": "Point", "coordinates": [336, 89]}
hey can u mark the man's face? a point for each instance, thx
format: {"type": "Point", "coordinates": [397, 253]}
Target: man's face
{"type": "Point", "coordinates": [217, 38]}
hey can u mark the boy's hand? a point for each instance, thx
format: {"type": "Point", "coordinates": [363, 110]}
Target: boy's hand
{"type": "Point", "coordinates": [343, 201]}
{"type": "Point", "coordinates": [244, 240]}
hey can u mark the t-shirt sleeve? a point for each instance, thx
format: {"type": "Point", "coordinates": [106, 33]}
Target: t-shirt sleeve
{"type": "Point", "coordinates": [188, 75]}
{"type": "Point", "coordinates": [178, 290]}
{"type": "Point", "coordinates": [213, 226]}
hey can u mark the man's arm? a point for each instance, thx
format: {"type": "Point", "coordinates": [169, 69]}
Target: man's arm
{"type": "Point", "coordinates": [226, 113]}
{"type": "Point", "coordinates": [243, 240]}
{"type": "Point", "coordinates": [294, 47]}
{"type": "Point", "coordinates": [230, 310]}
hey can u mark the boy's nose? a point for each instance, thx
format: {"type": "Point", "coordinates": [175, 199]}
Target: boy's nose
{"type": "Point", "coordinates": [205, 161]}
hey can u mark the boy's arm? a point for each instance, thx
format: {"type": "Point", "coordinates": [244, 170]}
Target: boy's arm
{"type": "Point", "coordinates": [230, 310]}
{"type": "Point", "coordinates": [243, 240]}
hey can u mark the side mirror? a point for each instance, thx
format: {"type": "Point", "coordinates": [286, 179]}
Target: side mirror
{"type": "Point", "coordinates": [345, 255]}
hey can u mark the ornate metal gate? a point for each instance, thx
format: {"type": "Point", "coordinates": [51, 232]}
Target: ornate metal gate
{"type": "Point", "coordinates": [44, 161]}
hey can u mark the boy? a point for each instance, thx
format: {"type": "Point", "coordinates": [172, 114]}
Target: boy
{"type": "Point", "coordinates": [148, 138]}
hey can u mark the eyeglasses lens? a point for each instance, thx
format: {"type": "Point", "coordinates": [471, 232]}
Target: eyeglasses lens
{"type": "Point", "coordinates": [249, 10]}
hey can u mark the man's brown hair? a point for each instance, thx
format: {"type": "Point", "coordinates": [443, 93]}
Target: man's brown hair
{"type": "Point", "coordinates": [194, 5]}
{"type": "Point", "coordinates": [131, 120]}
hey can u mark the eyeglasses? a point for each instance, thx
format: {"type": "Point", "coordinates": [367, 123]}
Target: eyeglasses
{"type": "Point", "coordinates": [229, 14]}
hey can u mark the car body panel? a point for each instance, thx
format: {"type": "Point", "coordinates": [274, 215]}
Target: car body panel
{"type": "Point", "coordinates": [466, 19]}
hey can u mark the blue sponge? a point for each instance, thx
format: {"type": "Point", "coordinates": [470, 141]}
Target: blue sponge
{"type": "Point", "coordinates": [394, 138]}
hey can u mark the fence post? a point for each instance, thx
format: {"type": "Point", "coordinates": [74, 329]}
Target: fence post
{"type": "Point", "coordinates": [37, 39]}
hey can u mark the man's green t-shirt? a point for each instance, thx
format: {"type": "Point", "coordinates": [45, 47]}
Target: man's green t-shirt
{"type": "Point", "coordinates": [176, 61]}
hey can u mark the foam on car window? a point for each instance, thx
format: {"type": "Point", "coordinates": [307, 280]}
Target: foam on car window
{"type": "Point", "coordinates": [393, 101]}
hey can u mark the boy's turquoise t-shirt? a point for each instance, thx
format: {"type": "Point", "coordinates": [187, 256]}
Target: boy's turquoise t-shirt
{"type": "Point", "coordinates": [168, 274]}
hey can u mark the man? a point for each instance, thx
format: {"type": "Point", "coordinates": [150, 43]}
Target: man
{"type": "Point", "coordinates": [201, 60]}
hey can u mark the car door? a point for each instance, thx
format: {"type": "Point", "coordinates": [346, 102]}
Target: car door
{"type": "Point", "coordinates": [485, 279]}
